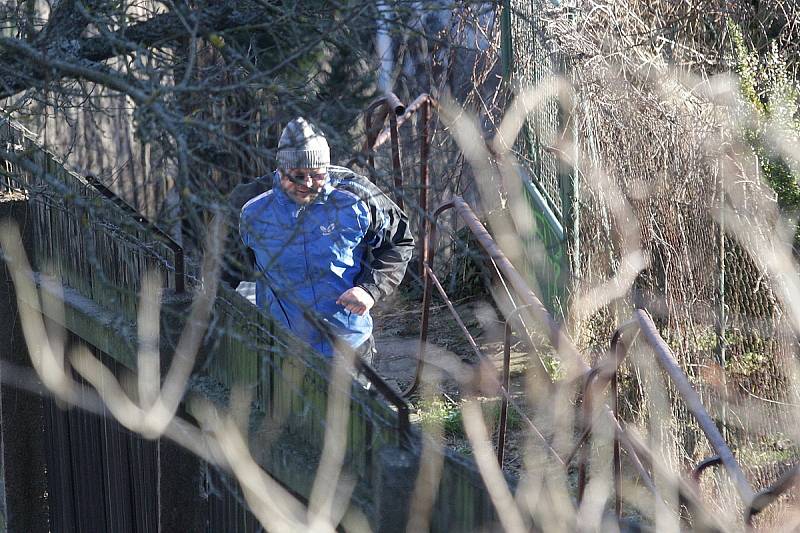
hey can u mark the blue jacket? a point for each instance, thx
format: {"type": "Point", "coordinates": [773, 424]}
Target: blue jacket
{"type": "Point", "coordinates": [351, 235]}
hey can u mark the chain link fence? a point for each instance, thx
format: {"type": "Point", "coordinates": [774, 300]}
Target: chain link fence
{"type": "Point", "coordinates": [716, 307]}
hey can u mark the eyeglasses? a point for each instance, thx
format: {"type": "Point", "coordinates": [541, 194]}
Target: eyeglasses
{"type": "Point", "coordinates": [300, 178]}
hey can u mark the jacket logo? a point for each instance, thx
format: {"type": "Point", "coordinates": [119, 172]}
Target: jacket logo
{"type": "Point", "coordinates": [327, 230]}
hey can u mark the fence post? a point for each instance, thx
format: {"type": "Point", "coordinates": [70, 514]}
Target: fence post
{"type": "Point", "coordinates": [506, 43]}
{"type": "Point", "coordinates": [569, 189]}
{"type": "Point", "coordinates": [397, 473]}
{"type": "Point", "coordinates": [181, 503]}
{"type": "Point", "coordinates": [721, 323]}
{"type": "Point", "coordinates": [24, 489]}
{"type": "Point", "coordinates": [176, 309]}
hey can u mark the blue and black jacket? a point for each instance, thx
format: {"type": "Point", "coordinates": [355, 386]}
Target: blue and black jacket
{"type": "Point", "coordinates": [307, 256]}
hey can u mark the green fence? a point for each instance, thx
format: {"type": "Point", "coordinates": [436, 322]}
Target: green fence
{"type": "Point", "coordinates": [550, 185]}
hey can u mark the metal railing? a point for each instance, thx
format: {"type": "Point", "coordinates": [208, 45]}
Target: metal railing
{"type": "Point", "coordinates": [374, 119]}
{"type": "Point", "coordinates": [594, 380]}
{"type": "Point", "coordinates": [606, 373]}
{"type": "Point", "coordinates": [506, 269]}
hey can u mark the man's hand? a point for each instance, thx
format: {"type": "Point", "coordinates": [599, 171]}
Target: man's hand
{"type": "Point", "coordinates": [356, 300]}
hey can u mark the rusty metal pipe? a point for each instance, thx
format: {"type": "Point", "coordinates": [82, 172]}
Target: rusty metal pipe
{"type": "Point", "coordinates": [703, 465]}
{"type": "Point", "coordinates": [472, 344]}
{"type": "Point", "coordinates": [397, 166]}
{"type": "Point", "coordinates": [766, 497]}
{"type": "Point", "coordinates": [424, 178]}
{"type": "Point", "coordinates": [635, 457]}
{"type": "Point", "coordinates": [503, 423]}
{"type": "Point", "coordinates": [601, 370]}
{"type": "Point", "coordinates": [668, 363]}
{"type": "Point", "coordinates": [626, 443]}
{"type": "Point", "coordinates": [481, 357]}
{"type": "Point", "coordinates": [410, 110]}
{"type": "Point", "coordinates": [379, 105]}
{"type": "Point", "coordinates": [703, 521]}
{"type": "Point", "coordinates": [429, 280]}
{"type": "Point", "coordinates": [394, 104]}
{"type": "Point", "coordinates": [426, 302]}
{"type": "Point", "coordinates": [620, 350]}
{"type": "Point", "coordinates": [577, 447]}
{"type": "Point", "coordinates": [558, 338]}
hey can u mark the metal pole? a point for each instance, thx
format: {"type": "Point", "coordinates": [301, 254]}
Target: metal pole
{"type": "Point", "coordinates": [379, 104]}
{"type": "Point", "coordinates": [412, 108]}
{"type": "Point", "coordinates": [695, 405]}
{"type": "Point", "coordinates": [558, 339]}
{"type": "Point", "coordinates": [424, 178]}
{"type": "Point", "coordinates": [501, 430]}
{"type": "Point", "coordinates": [397, 167]}
{"type": "Point", "coordinates": [426, 306]}
{"type": "Point", "coordinates": [722, 315]}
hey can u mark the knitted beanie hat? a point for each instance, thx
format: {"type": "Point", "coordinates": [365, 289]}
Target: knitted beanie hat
{"type": "Point", "coordinates": [302, 145]}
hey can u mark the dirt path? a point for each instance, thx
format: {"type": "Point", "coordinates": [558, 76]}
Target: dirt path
{"type": "Point", "coordinates": [397, 330]}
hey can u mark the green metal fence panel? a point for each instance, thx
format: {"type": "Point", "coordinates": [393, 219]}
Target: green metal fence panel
{"type": "Point", "coordinates": [550, 185]}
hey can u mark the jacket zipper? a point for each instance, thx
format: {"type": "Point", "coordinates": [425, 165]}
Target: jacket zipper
{"type": "Point", "coordinates": [307, 273]}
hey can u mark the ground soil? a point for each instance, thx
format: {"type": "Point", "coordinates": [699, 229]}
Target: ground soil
{"type": "Point", "coordinates": [397, 338]}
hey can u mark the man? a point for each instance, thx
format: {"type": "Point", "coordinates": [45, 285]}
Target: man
{"type": "Point", "coordinates": [327, 242]}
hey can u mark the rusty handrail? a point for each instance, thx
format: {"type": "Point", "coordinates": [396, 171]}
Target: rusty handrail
{"type": "Point", "coordinates": [609, 376]}
{"type": "Point", "coordinates": [501, 432]}
{"type": "Point", "coordinates": [388, 104]}
{"type": "Point", "coordinates": [380, 106]}
{"type": "Point", "coordinates": [506, 397]}
{"type": "Point", "coordinates": [397, 165]}
{"type": "Point", "coordinates": [423, 104]}
{"type": "Point", "coordinates": [766, 497]}
{"type": "Point", "coordinates": [559, 340]}
{"type": "Point", "coordinates": [686, 490]}
{"type": "Point", "coordinates": [426, 304]}
{"type": "Point", "coordinates": [701, 467]}
{"type": "Point", "coordinates": [429, 278]}
{"type": "Point", "coordinates": [668, 363]}
{"type": "Point", "coordinates": [506, 383]}
{"type": "Point", "coordinates": [665, 358]}
{"type": "Point", "coordinates": [472, 344]}
{"type": "Point", "coordinates": [423, 100]}
{"type": "Point", "coordinates": [424, 178]}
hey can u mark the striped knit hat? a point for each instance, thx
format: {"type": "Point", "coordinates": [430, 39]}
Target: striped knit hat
{"type": "Point", "coordinates": [302, 145]}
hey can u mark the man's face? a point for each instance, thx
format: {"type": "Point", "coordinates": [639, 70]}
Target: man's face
{"type": "Point", "coordinates": [303, 185]}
